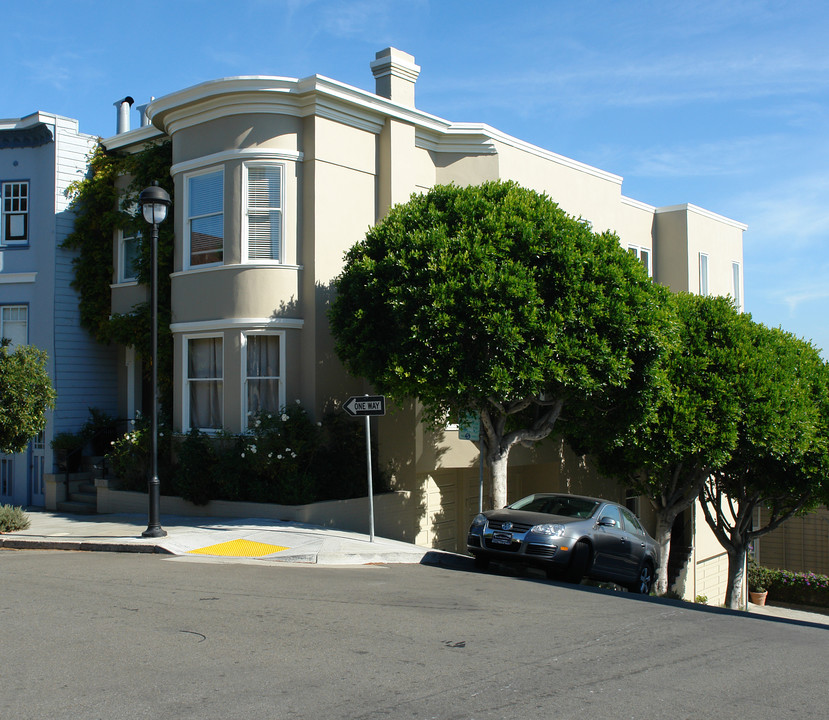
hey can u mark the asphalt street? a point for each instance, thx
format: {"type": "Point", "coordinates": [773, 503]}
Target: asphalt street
{"type": "Point", "coordinates": [105, 635]}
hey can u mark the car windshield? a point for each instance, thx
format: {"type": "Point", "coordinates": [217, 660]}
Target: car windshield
{"type": "Point", "coordinates": [564, 505]}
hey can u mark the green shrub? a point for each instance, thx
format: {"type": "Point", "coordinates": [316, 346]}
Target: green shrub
{"type": "Point", "coordinates": [759, 578]}
{"type": "Point", "coordinates": [799, 588]}
{"type": "Point", "coordinates": [12, 518]}
{"type": "Point", "coordinates": [285, 458]}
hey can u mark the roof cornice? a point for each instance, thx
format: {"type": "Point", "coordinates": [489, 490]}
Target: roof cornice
{"type": "Point", "coordinates": [688, 207]}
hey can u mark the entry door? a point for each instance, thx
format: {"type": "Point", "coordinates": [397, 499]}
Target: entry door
{"type": "Point", "coordinates": [6, 479]}
{"type": "Point", "coordinates": [37, 495]}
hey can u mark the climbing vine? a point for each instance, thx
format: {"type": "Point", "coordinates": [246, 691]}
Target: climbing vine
{"type": "Point", "coordinates": [104, 202]}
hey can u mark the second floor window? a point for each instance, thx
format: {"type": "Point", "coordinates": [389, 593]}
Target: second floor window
{"type": "Point", "coordinates": [205, 217]}
{"type": "Point", "coordinates": [643, 255]}
{"type": "Point", "coordinates": [736, 294]}
{"type": "Point", "coordinates": [703, 274]}
{"type": "Point", "coordinates": [264, 212]}
{"type": "Point", "coordinates": [15, 213]}
{"type": "Point", "coordinates": [127, 258]}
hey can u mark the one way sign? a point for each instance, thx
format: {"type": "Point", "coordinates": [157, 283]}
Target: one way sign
{"type": "Point", "coordinates": [365, 405]}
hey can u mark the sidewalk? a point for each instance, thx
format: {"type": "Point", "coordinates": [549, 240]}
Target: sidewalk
{"type": "Point", "coordinates": [253, 538]}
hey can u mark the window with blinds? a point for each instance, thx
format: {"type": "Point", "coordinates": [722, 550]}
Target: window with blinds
{"type": "Point", "coordinates": [205, 217]}
{"type": "Point", "coordinates": [264, 212]}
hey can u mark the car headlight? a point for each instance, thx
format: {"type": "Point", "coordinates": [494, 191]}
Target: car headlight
{"type": "Point", "coordinates": [479, 520]}
{"type": "Point", "coordinates": [551, 529]}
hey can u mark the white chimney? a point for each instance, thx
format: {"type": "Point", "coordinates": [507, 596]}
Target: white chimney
{"type": "Point", "coordinates": [123, 123]}
{"type": "Point", "coordinates": [395, 74]}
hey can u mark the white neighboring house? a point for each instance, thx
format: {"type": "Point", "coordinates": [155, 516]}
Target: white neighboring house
{"type": "Point", "coordinates": [40, 156]}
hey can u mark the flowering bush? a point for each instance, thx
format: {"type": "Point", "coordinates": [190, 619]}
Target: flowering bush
{"type": "Point", "coordinates": [799, 588]}
{"type": "Point", "coordinates": [804, 588]}
{"type": "Point", "coordinates": [285, 458]}
{"type": "Point", "coordinates": [129, 456]}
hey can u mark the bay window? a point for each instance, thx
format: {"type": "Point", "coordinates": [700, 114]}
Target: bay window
{"type": "Point", "coordinates": [263, 373]}
{"type": "Point", "coordinates": [205, 217]}
{"type": "Point", "coordinates": [205, 376]}
{"type": "Point", "coordinates": [263, 211]}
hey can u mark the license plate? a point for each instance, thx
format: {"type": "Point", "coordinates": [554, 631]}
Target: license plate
{"type": "Point", "coordinates": [502, 538]}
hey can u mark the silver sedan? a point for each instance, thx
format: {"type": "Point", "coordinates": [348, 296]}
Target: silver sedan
{"type": "Point", "coordinates": [569, 536]}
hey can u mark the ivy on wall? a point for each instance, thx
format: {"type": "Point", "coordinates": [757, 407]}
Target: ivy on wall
{"type": "Point", "coordinates": [105, 201]}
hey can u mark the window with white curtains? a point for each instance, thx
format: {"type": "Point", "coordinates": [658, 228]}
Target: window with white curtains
{"type": "Point", "coordinates": [263, 381]}
{"type": "Point", "coordinates": [264, 211]}
{"type": "Point", "coordinates": [205, 217]}
{"type": "Point", "coordinates": [205, 375]}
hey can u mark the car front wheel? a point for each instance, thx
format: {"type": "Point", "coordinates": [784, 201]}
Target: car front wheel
{"type": "Point", "coordinates": [644, 582]}
{"type": "Point", "coordinates": [578, 563]}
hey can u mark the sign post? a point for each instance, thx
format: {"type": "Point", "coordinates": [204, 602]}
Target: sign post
{"type": "Point", "coordinates": [366, 406]}
{"type": "Point", "coordinates": [469, 428]}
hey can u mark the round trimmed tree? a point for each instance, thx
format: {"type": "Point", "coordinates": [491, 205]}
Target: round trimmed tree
{"type": "Point", "coordinates": [492, 299]}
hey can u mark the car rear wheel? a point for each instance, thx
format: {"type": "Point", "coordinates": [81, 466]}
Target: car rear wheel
{"type": "Point", "coordinates": [578, 562]}
{"type": "Point", "coordinates": [644, 583]}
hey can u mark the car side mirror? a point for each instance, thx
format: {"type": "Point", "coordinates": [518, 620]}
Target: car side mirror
{"type": "Point", "coordinates": [607, 521]}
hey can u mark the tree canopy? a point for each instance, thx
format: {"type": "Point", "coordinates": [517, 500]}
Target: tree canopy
{"type": "Point", "coordinates": [26, 394]}
{"type": "Point", "coordinates": [781, 457]}
{"type": "Point", "coordinates": [492, 299]}
{"type": "Point", "coordinates": [691, 428]}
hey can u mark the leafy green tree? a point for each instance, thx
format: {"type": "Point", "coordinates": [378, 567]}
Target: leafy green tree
{"type": "Point", "coordinates": [492, 299]}
{"type": "Point", "coordinates": [691, 429]}
{"type": "Point", "coordinates": [781, 458]}
{"type": "Point", "coordinates": [26, 394]}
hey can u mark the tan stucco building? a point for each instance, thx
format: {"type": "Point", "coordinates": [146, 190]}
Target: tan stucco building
{"type": "Point", "coordinates": [275, 178]}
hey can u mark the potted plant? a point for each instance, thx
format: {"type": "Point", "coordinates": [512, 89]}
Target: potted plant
{"type": "Point", "coordinates": [68, 447]}
{"type": "Point", "coordinates": [758, 584]}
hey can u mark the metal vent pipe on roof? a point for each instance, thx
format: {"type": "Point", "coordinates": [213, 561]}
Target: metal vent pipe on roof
{"type": "Point", "coordinates": [123, 106]}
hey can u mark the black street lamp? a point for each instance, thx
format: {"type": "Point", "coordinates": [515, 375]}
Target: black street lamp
{"type": "Point", "coordinates": [154, 202]}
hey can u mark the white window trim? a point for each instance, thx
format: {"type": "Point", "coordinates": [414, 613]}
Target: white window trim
{"type": "Point", "coordinates": [185, 394]}
{"type": "Point", "coordinates": [4, 242]}
{"type": "Point", "coordinates": [704, 275]}
{"type": "Point", "coordinates": [244, 374]}
{"type": "Point", "coordinates": [187, 248]}
{"type": "Point", "coordinates": [245, 214]}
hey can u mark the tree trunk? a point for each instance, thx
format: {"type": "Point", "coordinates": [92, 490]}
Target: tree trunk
{"type": "Point", "coordinates": [736, 573]}
{"type": "Point", "coordinates": [498, 468]}
{"type": "Point", "coordinates": [664, 522]}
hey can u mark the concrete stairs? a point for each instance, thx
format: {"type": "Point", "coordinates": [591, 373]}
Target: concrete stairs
{"type": "Point", "coordinates": [81, 495]}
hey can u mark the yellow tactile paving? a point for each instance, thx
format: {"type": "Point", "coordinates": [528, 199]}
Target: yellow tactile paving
{"type": "Point", "coordinates": [239, 548]}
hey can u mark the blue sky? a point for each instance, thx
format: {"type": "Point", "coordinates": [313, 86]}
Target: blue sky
{"type": "Point", "coordinates": [719, 104]}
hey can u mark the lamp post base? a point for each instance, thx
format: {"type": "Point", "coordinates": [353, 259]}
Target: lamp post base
{"type": "Point", "coordinates": [154, 532]}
